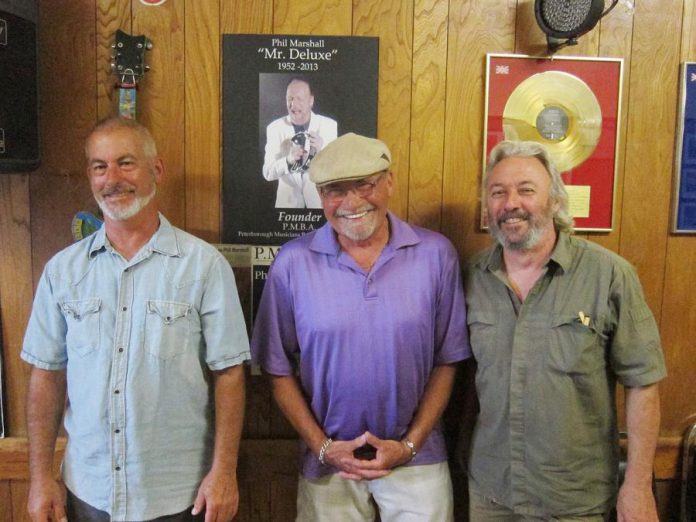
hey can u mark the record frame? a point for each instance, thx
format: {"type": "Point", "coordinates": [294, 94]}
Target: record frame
{"type": "Point", "coordinates": [591, 183]}
{"type": "Point", "coordinates": [684, 192]}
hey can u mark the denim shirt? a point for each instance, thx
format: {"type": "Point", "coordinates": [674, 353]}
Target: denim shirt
{"type": "Point", "coordinates": [138, 339]}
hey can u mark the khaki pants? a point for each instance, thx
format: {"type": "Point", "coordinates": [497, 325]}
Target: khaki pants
{"type": "Point", "coordinates": [407, 494]}
{"type": "Point", "coordinates": [482, 509]}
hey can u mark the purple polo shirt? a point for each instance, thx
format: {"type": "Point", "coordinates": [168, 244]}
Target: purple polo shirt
{"type": "Point", "coordinates": [365, 342]}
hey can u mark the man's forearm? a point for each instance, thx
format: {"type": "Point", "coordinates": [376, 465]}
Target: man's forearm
{"type": "Point", "coordinates": [291, 401]}
{"type": "Point", "coordinates": [643, 427]}
{"type": "Point", "coordinates": [45, 405]}
{"type": "Point", "coordinates": [229, 416]}
{"type": "Point", "coordinates": [432, 404]}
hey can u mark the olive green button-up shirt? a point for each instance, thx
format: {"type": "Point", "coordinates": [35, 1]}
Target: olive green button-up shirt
{"type": "Point", "coordinates": [545, 442]}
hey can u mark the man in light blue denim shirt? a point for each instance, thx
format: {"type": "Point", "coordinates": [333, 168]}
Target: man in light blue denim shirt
{"type": "Point", "coordinates": [139, 326]}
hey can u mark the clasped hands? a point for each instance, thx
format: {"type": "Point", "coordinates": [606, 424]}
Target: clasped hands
{"type": "Point", "coordinates": [388, 455]}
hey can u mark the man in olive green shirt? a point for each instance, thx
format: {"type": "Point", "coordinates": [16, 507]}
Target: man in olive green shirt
{"type": "Point", "coordinates": [555, 321]}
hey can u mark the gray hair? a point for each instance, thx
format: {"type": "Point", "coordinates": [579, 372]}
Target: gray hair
{"type": "Point", "coordinates": [118, 122]}
{"type": "Point", "coordinates": [532, 149]}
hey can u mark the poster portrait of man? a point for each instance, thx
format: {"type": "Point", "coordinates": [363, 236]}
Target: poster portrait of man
{"type": "Point", "coordinates": [285, 98]}
{"type": "Point", "coordinates": [293, 139]}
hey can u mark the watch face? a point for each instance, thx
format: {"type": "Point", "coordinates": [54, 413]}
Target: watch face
{"type": "Point", "coordinates": [410, 446]}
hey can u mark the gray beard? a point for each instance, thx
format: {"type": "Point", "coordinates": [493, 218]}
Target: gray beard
{"type": "Point", "coordinates": [129, 211]}
{"type": "Point", "coordinates": [529, 241]}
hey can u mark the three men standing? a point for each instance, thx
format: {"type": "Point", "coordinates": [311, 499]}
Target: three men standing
{"type": "Point", "coordinates": [360, 327]}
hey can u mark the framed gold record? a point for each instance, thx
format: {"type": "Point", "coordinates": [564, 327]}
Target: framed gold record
{"type": "Point", "coordinates": [572, 106]}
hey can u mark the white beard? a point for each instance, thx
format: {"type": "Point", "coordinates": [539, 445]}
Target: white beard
{"type": "Point", "coordinates": [131, 210]}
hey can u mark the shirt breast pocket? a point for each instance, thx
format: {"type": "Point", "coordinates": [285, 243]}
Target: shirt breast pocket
{"type": "Point", "coordinates": [574, 347]}
{"type": "Point", "coordinates": [167, 329]}
{"type": "Point", "coordinates": [482, 334]}
{"type": "Point", "coordinates": [82, 318]}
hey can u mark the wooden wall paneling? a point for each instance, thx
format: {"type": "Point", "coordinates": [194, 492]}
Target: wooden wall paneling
{"type": "Point", "coordinates": [667, 496]}
{"type": "Point", "coordinates": [320, 17]}
{"type": "Point", "coordinates": [15, 293]}
{"type": "Point", "coordinates": [392, 22]}
{"type": "Point", "coordinates": [688, 47]}
{"type": "Point", "coordinates": [284, 499]}
{"type": "Point", "coordinates": [259, 404]}
{"type": "Point", "coordinates": [161, 105]}
{"type": "Point", "coordinates": [5, 501]}
{"type": "Point", "coordinates": [529, 39]}
{"type": "Point", "coordinates": [202, 94]}
{"type": "Point", "coordinates": [475, 28]}
{"type": "Point", "coordinates": [111, 15]}
{"type": "Point", "coordinates": [255, 502]}
{"type": "Point", "coordinates": [677, 326]}
{"type": "Point", "coordinates": [615, 41]}
{"type": "Point", "coordinates": [650, 142]}
{"type": "Point", "coordinates": [67, 59]}
{"type": "Point", "coordinates": [19, 490]}
{"type": "Point", "coordinates": [14, 475]}
{"type": "Point", "coordinates": [246, 17]}
{"type": "Point", "coordinates": [14, 458]}
{"type": "Point", "coordinates": [270, 470]}
{"type": "Point", "coordinates": [67, 55]}
{"type": "Point", "coordinates": [679, 307]}
{"type": "Point", "coordinates": [428, 112]}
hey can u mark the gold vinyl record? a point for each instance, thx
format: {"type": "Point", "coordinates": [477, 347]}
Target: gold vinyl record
{"type": "Point", "coordinates": [559, 110]}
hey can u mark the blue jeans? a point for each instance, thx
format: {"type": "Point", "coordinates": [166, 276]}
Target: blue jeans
{"type": "Point", "coordinates": [80, 511]}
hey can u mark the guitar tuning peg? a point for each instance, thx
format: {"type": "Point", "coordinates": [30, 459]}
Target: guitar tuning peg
{"type": "Point", "coordinates": [147, 68]}
{"type": "Point", "coordinates": [113, 46]}
{"type": "Point", "coordinates": [113, 66]}
{"type": "Point", "coordinates": [148, 45]}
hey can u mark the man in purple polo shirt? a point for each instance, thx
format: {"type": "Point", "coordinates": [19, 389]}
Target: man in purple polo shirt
{"type": "Point", "coordinates": [369, 311]}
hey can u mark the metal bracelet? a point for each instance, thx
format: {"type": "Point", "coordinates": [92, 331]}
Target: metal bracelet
{"type": "Point", "coordinates": [324, 446]}
{"type": "Point", "coordinates": [410, 445]}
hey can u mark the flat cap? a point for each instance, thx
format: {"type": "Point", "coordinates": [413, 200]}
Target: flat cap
{"type": "Point", "coordinates": [349, 157]}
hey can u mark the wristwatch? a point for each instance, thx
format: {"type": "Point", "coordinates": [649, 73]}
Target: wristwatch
{"type": "Point", "coordinates": [410, 445]}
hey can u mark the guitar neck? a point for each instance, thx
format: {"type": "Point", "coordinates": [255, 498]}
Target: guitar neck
{"type": "Point", "coordinates": [129, 67]}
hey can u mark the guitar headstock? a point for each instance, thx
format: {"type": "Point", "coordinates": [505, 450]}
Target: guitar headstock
{"type": "Point", "coordinates": [129, 58]}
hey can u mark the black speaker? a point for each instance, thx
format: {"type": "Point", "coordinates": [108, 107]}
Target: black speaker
{"type": "Point", "coordinates": [19, 100]}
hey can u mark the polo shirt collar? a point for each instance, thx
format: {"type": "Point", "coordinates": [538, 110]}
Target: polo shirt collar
{"type": "Point", "coordinates": [163, 241]}
{"type": "Point", "coordinates": [401, 235]}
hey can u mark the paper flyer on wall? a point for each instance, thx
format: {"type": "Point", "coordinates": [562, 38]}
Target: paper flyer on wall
{"type": "Point", "coordinates": [285, 97]}
{"type": "Point", "coordinates": [255, 260]}
{"type": "Point", "coordinates": [261, 259]}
